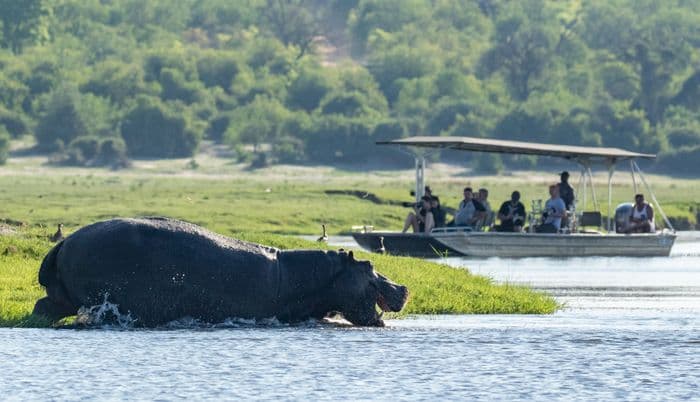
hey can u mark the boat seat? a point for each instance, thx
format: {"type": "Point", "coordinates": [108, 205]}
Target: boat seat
{"type": "Point", "coordinates": [593, 218]}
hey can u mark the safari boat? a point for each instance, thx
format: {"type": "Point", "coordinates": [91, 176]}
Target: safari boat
{"type": "Point", "coordinates": [572, 241]}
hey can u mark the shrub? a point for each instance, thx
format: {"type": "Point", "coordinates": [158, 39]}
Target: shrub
{"type": "Point", "coordinates": [218, 69]}
{"type": "Point", "coordinates": [218, 126]}
{"type": "Point", "coordinates": [289, 149]}
{"type": "Point", "coordinates": [62, 121]}
{"type": "Point", "coordinates": [176, 87]}
{"type": "Point", "coordinates": [307, 90]}
{"type": "Point", "coordinates": [487, 163]}
{"type": "Point", "coordinates": [4, 145]}
{"type": "Point", "coordinates": [335, 139]}
{"type": "Point", "coordinates": [14, 123]}
{"type": "Point", "coordinates": [683, 137]}
{"type": "Point", "coordinates": [346, 104]}
{"type": "Point", "coordinates": [87, 145]}
{"type": "Point", "coordinates": [112, 152]}
{"type": "Point", "coordinates": [152, 130]}
{"type": "Point", "coordinates": [680, 161]}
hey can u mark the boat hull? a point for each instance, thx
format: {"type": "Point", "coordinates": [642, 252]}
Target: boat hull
{"type": "Point", "coordinates": [517, 245]}
{"type": "Point", "coordinates": [407, 244]}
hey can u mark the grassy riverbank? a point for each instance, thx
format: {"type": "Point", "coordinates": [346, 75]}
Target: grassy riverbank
{"type": "Point", "coordinates": [435, 288]}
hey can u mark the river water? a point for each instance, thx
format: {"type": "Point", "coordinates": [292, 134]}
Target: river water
{"type": "Point", "coordinates": [630, 330]}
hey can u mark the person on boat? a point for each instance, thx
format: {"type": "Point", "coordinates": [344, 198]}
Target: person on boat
{"type": "Point", "coordinates": [566, 192]}
{"type": "Point", "coordinates": [642, 218]}
{"type": "Point", "coordinates": [489, 216]}
{"type": "Point", "coordinates": [470, 210]}
{"type": "Point", "coordinates": [439, 214]}
{"type": "Point", "coordinates": [421, 219]}
{"type": "Point", "coordinates": [554, 210]}
{"type": "Point", "coordinates": [511, 214]}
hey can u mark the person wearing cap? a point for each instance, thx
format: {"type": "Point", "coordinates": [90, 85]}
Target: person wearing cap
{"type": "Point", "coordinates": [566, 192]}
{"type": "Point", "coordinates": [511, 214]}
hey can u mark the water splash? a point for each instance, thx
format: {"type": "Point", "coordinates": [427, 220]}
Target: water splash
{"type": "Point", "coordinates": [104, 314]}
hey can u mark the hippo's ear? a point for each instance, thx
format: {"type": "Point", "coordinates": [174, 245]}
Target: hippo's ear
{"type": "Point", "coordinates": [351, 256]}
{"type": "Point", "coordinates": [341, 250]}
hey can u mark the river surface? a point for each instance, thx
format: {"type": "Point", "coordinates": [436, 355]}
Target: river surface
{"type": "Point", "coordinates": [630, 331]}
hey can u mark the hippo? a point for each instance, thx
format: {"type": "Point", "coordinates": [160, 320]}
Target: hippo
{"type": "Point", "coordinates": [159, 270]}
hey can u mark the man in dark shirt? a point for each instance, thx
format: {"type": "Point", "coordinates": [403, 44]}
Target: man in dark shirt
{"type": "Point", "coordinates": [565, 191]}
{"type": "Point", "coordinates": [511, 214]}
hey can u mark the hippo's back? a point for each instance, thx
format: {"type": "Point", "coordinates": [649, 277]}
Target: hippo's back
{"type": "Point", "coordinates": [163, 269]}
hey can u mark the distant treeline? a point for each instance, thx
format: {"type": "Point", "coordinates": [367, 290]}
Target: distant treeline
{"type": "Point", "coordinates": [319, 81]}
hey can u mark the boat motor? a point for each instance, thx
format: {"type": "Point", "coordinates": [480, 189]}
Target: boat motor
{"type": "Point", "coordinates": [623, 212]}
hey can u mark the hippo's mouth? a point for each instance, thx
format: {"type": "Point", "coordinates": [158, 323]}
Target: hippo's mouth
{"type": "Point", "coordinates": [382, 304]}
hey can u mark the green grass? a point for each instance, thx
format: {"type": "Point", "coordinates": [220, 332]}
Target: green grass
{"type": "Point", "coordinates": [435, 288]}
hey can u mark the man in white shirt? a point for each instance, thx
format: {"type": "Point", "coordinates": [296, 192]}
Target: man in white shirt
{"type": "Point", "coordinates": [470, 210]}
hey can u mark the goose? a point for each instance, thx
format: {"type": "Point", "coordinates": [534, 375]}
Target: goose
{"type": "Point", "coordinates": [324, 236]}
{"type": "Point", "coordinates": [58, 236]}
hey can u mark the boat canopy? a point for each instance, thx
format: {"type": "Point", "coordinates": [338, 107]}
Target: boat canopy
{"type": "Point", "coordinates": [585, 156]}
{"type": "Point", "coordinates": [576, 153]}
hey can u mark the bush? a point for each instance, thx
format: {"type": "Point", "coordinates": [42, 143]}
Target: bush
{"type": "Point", "coordinates": [152, 130]}
{"type": "Point", "coordinates": [289, 150]}
{"type": "Point", "coordinates": [346, 104]}
{"type": "Point", "coordinates": [307, 90]}
{"type": "Point", "coordinates": [117, 81]}
{"type": "Point", "coordinates": [14, 123]}
{"type": "Point", "coordinates": [4, 145]}
{"type": "Point", "coordinates": [218, 69]}
{"type": "Point", "coordinates": [62, 121]}
{"type": "Point", "coordinates": [112, 152]}
{"type": "Point", "coordinates": [88, 146]}
{"type": "Point", "coordinates": [683, 137]}
{"type": "Point", "coordinates": [218, 126]}
{"type": "Point", "coordinates": [176, 87]}
{"type": "Point", "coordinates": [486, 163]}
{"type": "Point", "coordinates": [335, 139]}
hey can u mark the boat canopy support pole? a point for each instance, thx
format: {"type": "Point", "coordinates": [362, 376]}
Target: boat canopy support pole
{"type": "Point", "coordinates": [582, 188]}
{"type": "Point", "coordinates": [634, 178]}
{"type": "Point", "coordinates": [653, 196]}
{"type": "Point", "coordinates": [611, 171]}
{"type": "Point", "coordinates": [590, 182]}
{"type": "Point", "coordinates": [419, 157]}
{"type": "Point", "coordinates": [420, 177]}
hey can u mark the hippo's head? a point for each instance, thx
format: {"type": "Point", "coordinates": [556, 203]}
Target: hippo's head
{"type": "Point", "coordinates": [358, 289]}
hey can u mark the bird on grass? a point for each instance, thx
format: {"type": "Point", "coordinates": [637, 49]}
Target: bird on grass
{"type": "Point", "coordinates": [58, 236]}
{"type": "Point", "coordinates": [381, 249]}
{"type": "Point", "coordinates": [324, 236]}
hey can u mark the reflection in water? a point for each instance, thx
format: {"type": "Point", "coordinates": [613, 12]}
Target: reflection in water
{"type": "Point", "coordinates": [631, 330]}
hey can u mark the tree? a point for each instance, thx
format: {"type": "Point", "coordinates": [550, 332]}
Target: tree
{"type": "Point", "coordinates": [307, 90]}
{"type": "Point", "coordinates": [62, 120]}
{"type": "Point", "coordinates": [22, 23]}
{"type": "Point", "coordinates": [522, 50]}
{"type": "Point", "coordinates": [656, 41]}
{"type": "Point", "coordinates": [151, 129]}
{"type": "Point", "coordinates": [293, 23]}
